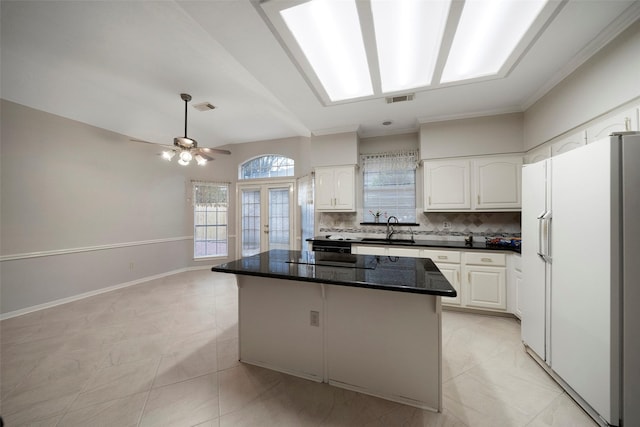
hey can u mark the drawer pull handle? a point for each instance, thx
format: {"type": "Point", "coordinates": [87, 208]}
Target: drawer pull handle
{"type": "Point", "coordinates": [443, 257]}
{"type": "Point", "coordinates": [486, 260]}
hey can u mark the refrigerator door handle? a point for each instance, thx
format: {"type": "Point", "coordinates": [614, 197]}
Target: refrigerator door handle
{"type": "Point", "coordinates": [540, 220]}
{"type": "Point", "coordinates": [547, 236]}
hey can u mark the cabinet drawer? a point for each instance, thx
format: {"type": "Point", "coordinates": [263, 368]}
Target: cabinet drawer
{"type": "Point", "coordinates": [485, 258]}
{"type": "Point", "coordinates": [451, 257]}
{"type": "Point", "coordinates": [406, 252]}
{"type": "Point", "coordinates": [368, 250]}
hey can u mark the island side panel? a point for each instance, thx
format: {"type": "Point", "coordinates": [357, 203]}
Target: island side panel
{"type": "Point", "coordinates": [384, 343]}
{"type": "Point", "coordinates": [274, 325]}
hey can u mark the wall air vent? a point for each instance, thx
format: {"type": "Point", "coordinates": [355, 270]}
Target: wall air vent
{"type": "Point", "coordinates": [400, 98]}
{"type": "Point", "coordinates": [204, 106]}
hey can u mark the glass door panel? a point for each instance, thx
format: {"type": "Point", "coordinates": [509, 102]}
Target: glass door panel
{"type": "Point", "coordinates": [279, 228]}
{"type": "Point", "coordinates": [250, 199]}
{"type": "Point", "coordinates": [266, 220]}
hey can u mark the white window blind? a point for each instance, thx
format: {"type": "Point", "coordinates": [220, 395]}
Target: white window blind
{"type": "Point", "coordinates": [390, 185]}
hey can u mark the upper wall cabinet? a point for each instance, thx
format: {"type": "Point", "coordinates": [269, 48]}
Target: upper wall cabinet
{"type": "Point", "coordinates": [483, 183]}
{"type": "Point", "coordinates": [446, 185]}
{"type": "Point", "coordinates": [624, 121]}
{"type": "Point", "coordinates": [569, 143]}
{"type": "Point", "coordinates": [497, 183]}
{"type": "Point", "coordinates": [335, 189]}
{"type": "Point", "coordinates": [538, 154]}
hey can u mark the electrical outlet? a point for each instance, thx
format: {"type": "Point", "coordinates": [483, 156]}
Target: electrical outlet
{"type": "Point", "coordinates": [446, 225]}
{"type": "Point", "coordinates": [315, 318]}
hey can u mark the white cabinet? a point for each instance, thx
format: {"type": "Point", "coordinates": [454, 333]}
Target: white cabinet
{"type": "Point", "coordinates": [335, 189]}
{"type": "Point", "coordinates": [514, 284]}
{"type": "Point", "coordinates": [446, 185]}
{"type": "Point", "coordinates": [538, 154]}
{"type": "Point", "coordinates": [484, 281]}
{"type": "Point", "coordinates": [385, 251]}
{"type": "Point", "coordinates": [497, 183]}
{"type": "Point", "coordinates": [448, 262]}
{"type": "Point", "coordinates": [568, 143]}
{"type": "Point", "coordinates": [479, 278]}
{"type": "Point", "coordinates": [624, 121]}
{"type": "Point", "coordinates": [483, 183]}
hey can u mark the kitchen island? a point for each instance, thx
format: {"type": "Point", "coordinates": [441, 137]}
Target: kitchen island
{"type": "Point", "coordinates": [366, 323]}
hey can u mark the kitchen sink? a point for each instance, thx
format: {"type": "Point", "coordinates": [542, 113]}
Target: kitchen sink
{"type": "Point", "coordinates": [387, 241]}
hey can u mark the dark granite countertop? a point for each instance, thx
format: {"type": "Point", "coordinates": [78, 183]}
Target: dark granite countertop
{"type": "Point", "coordinates": [424, 243]}
{"type": "Point", "coordinates": [401, 274]}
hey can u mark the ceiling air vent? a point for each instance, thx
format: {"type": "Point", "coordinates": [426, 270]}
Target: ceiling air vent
{"type": "Point", "coordinates": [204, 106]}
{"type": "Point", "coordinates": [400, 98]}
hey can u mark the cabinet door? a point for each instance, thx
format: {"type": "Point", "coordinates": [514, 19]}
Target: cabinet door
{"type": "Point", "coordinates": [498, 183]}
{"type": "Point", "coordinates": [447, 186]}
{"type": "Point", "coordinates": [344, 188]}
{"type": "Point", "coordinates": [624, 121]}
{"type": "Point", "coordinates": [517, 277]}
{"type": "Point", "coordinates": [452, 273]}
{"type": "Point", "coordinates": [569, 143]}
{"type": "Point", "coordinates": [484, 287]}
{"type": "Point", "coordinates": [324, 188]}
{"type": "Point", "coordinates": [538, 154]}
{"type": "Point", "coordinates": [335, 189]}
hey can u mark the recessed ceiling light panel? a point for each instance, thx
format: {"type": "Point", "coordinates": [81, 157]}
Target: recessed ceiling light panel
{"type": "Point", "coordinates": [408, 34]}
{"type": "Point", "coordinates": [487, 34]}
{"type": "Point", "coordinates": [328, 32]}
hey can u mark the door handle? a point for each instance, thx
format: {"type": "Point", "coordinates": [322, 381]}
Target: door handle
{"type": "Point", "coordinates": [540, 220]}
{"type": "Point", "coordinates": [547, 246]}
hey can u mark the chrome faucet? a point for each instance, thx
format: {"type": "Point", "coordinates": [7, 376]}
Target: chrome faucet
{"type": "Point", "coordinates": [390, 230]}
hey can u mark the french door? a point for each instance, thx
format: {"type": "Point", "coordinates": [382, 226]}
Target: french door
{"type": "Point", "coordinates": [266, 217]}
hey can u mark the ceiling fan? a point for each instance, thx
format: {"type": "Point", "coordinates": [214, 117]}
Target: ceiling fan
{"type": "Point", "coordinates": [187, 148]}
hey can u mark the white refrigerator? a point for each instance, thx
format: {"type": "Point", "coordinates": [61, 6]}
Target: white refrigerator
{"type": "Point", "coordinates": [580, 296]}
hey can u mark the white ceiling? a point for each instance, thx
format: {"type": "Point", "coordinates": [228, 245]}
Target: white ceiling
{"type": "Point", "coordinates": [121, 65]}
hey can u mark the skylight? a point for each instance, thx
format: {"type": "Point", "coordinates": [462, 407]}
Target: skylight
{"type": "Point", "coordinates": [350, 49]}
{"type": "Point", "coordinates": [408, 35]}
{"type": "Point", "coordinates": [328, 33]}
{"type": "Point", "coordinates": [487, 34]}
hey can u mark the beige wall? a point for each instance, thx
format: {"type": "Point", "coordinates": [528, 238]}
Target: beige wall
{"type": "Point", "coordinates": [335, 149]}
{"type": "Point", "coordinates": [381, 144]}
{"type": "Point", "coordinates": [605, 82]}
{"type": "Point", "coordinates": [497, 134]}
{"type": "Point", "coordinates": [85, 209]}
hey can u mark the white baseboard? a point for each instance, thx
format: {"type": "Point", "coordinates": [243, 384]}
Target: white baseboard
{"type": "Point", "coordinates": [61, 301]}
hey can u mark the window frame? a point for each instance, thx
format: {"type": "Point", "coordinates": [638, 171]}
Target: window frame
{"type": "Point", "coordinates": [210, 209]}
{"type": "Point", "coordinates": [270, 177]}
{"type": "Point", "coordinates": [404, 165]}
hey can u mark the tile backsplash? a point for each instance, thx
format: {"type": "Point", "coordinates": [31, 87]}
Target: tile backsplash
{"type": "Point", "coordinates": [432, 225]}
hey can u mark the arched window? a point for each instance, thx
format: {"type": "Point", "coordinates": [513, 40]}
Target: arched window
{"type": "Point", "coordinates": [267, 166]}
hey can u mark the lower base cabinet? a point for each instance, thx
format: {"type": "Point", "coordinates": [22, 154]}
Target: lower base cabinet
{"type": "Point", "coordinates": [479, 278]}
{"type": "Point", "coordinates": [485, 287]}
{"type": "Point", "coordinates": [484, 280]}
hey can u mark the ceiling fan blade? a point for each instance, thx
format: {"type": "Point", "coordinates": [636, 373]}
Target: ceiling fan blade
{"type": "Point", "coordinates": [213, 150]}
{"type": "Point", "coordinates": [204, 155]}
{"type": "Point", "coordinates": [149, 142]}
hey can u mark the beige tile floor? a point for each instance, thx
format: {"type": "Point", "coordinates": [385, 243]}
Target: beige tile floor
{"type": "Point", "coordinates": [164, 353]}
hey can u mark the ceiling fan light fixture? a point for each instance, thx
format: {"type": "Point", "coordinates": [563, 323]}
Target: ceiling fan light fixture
{"type": "Point", "coordinates": [184, 158]}
{"type": "Point", "coordinates": [168, 155]}
{"type": "Point", "coordinates": [200, 160]}
{"type": "Point", "coordinates": [184, 142]}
